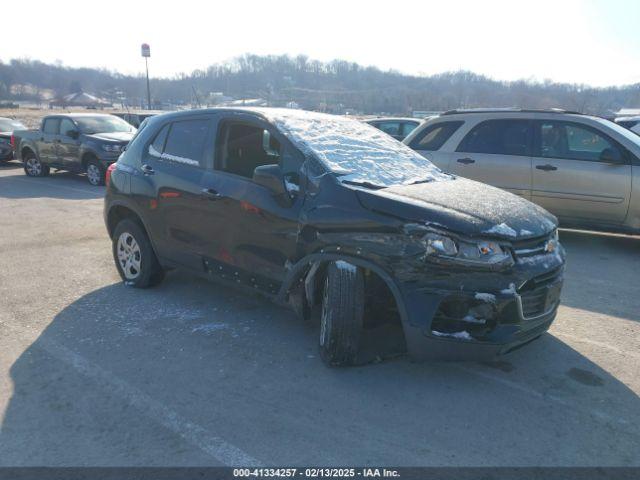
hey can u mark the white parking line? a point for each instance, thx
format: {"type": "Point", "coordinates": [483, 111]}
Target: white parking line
{"type": "Point", "coordinates": [213, 445]}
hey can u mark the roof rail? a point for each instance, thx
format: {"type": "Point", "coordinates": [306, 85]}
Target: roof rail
{"type": "Point", "coordinates": [508, 110]}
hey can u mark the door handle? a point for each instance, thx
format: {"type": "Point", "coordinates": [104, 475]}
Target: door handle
{"type": "Point", "coordinates": [211, 194]}
{"type": "Point", "coordinates": [466, 160]}
{"type": "Point", "coordinates": [147, 169]}
{"type": "Point", "coordinates": [547, 167]}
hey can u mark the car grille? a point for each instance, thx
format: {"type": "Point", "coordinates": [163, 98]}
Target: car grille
{"type": "Point", "coordinates": [541, 294]}
{"type": "Point", "coordinates": [529, 248]}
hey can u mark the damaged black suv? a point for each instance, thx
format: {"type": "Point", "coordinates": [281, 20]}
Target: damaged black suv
{"type": "Point", "coordinates": [339, 221]}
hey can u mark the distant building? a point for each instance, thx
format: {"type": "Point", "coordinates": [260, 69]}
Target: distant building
{"type": "Point", "coordinates": [79, 99]}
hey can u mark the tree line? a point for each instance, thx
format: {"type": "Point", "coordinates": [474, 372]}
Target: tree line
{"type": "Point", "coordinates": [329, 86]}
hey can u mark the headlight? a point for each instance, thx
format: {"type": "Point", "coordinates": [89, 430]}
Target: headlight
{"type": "Point", "coordinates": [552, 244]}
{"type": "Point", "coordinates": [111, 148]}
{"type": "Point", "coordinates": [441, 248]}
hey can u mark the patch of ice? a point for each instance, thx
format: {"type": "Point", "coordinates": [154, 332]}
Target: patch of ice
{"type": "Point", "coordinates": [510, 290]}
{"type": "Point", "coordinates": [463, 335]}
{"type": "Point", "coordinates": [348, 147]}
{"type": "Point", "coordinates": [502, 229]}
{"type": "Point", "coordinates": [485, 297]}
{"type": "Point", "coordinates": [209, 328]}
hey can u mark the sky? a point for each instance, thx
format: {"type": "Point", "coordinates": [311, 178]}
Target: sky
{"type": "Point", "coordinates": [594, 42]}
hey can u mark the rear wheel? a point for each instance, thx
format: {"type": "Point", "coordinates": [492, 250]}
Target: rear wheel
{"type": "Point", "coordinates": [33, 167]}
{"type": "Point", "coordinates": [133, 254]}
{"type": "Point", "coordinates": [95, 173]}
{"type": "Point", "coordinates": [342, 314]}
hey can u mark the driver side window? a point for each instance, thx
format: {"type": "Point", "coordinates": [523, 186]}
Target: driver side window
{"type": "Point", "coordinates": [242, 147]}
{"type": "Point", "coordinates": [67, 126]}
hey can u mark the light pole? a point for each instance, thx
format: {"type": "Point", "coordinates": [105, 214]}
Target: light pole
{"type": "Point", "coordinates": [146, 53]}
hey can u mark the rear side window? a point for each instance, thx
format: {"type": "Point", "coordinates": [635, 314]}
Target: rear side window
{"type": "Point", "coordinates": [51, 125]}
{"type": "Point", "coordinates": [501, 137]}
{"type": "Point", "coordinates": [390, 128]}
{"type": "Point", "coordinates": [408, 127]}
{"type": "Point", "coordinates": [434, 136]}
{"type": "Point", "coordinates": [182, 142]}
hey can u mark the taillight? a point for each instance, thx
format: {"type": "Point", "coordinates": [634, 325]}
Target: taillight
{"type": "Point", "coordinates": [12, 142]}
{"type": "Point", "coordinates": [107, 177]}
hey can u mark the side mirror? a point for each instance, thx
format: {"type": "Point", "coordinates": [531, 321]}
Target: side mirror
{"type": "Point", "coordinates": [270, 176]}
{"type": "Point", "coordinates": [611, 155]}
{"type": "Point", "coordinates": [72, 134]}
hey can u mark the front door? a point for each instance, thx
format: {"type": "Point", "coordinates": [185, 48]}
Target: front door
{"type": "Point", "coordinates": [68, 145]}
{"type": "Point", "coordinates": [497, 152]}
{"type": "Point", "coordinates": [251, 230]}
{"type": "Point", "coordinates": [580, 173]}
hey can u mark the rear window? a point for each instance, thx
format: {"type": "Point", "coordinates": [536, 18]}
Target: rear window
{"type": "Point", "coordinates": [500, 137]}
{"type": "Point", "coordinates": [182, 142]}
{"type": "Point", "coordinates": [434, 136]}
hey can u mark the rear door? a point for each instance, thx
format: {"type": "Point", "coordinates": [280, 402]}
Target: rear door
{"type": "Point", "coordinates": [48, 140]}
{"type": "Point", "coordinates": [580, 173]}
{"type": "Point", "coordinates": [497, 152]}
{"type": "Point", "coordinates": [175, 163]}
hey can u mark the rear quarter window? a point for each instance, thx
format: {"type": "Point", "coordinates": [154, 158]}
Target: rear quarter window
{"type": "Point", "coordinates": [182, 141]}
{"type": "Point", "coordinates": [434, 136]}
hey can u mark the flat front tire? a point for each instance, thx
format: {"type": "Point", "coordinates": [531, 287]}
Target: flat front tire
{"type": "Point", "coordinates": [342, 314]}
{"type": "Point", "coordinates": [133, 254]}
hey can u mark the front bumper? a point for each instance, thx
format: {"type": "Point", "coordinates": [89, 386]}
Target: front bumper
{"type": "Point", "coordinates": [462, 316]}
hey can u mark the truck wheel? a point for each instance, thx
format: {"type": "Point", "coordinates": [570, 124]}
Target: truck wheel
{"type": "Point", "coordinates": [342, 314]}
{"type": "Point", "coordinates": [95, 173]}
{"type": "Point", "coordinates": [33, 167]}
{"type": "Point", "coordinates": [135, 259]}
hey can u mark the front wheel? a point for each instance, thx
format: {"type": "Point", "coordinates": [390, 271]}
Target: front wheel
{"type": "Point", "coordinates": [342, 314]}
{"type": "Point", "coordinates": [33, 167]}
{"type": "Point", "coordinates": [133, 254]}
{"type": "Point", "coordinates": [95, 173]}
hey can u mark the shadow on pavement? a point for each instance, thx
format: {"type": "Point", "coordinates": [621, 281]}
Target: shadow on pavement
{"type": "Point", "coordinates": [62, 185]}
{"type": "Point", "coordinates": [87, 390]}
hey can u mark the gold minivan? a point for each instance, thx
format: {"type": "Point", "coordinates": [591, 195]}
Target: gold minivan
{"type": "Point", "coordinates": [583, 169]}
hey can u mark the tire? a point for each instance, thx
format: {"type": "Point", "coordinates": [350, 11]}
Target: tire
{"type": "Point", "coordinates": [341, 314]}
{"type": "Point", "coordinates": [95, 173]}
{"type": "Point", "coordinates": [133, 254]}
{"type": "Point", "coordinates": [33, 167]}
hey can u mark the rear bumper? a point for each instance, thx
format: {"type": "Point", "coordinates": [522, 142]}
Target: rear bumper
{"type": "Point", "coordinates": [6, 153]}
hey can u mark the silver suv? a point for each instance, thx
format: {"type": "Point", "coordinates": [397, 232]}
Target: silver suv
{"type": "Point", "coordinates": [583, 169]}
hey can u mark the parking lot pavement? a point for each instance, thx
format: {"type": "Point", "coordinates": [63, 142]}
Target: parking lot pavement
{"type": "Point", "coordinates": [191, 373]}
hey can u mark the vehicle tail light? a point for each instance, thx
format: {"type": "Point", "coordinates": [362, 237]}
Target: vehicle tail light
{"type": "Point", "coordinates": [12, 142]}
{"type": "Point", "coordinates": [107, 177]}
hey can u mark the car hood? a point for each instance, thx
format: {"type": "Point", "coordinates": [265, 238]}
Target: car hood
{"type": "Point", "coordinates": [112, 136]}
{"type": "Point", "coordinates": [462, 206]}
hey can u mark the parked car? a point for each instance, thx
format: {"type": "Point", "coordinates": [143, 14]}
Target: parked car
{"type": "Point", "coordinates": [77, 142]}
{"type": "Point", "coordinates": [325, 213]}
{"type": "Point", "coordinates": [398, 128]}
{"type": "Point", "coordinates": [583, 169]}
{"type": "Point", "coordinates": [632, 123]}
{"type": "Point", "coordinates": [7, 126]}
{"type": "Point", "coordinates": [135, 118]}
